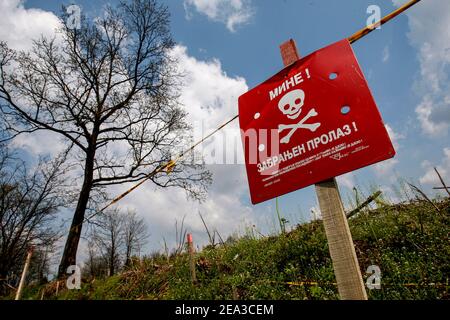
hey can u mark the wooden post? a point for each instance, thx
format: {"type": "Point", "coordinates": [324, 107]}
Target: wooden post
{"type": "Point", "coordinates": [24, 274]}
{"type": "Point", "coordinates": [191, 251]}
{"type": "Point", "coordinates": [345, 263]}
{"type": "Point", "coordinates": [342, 251]}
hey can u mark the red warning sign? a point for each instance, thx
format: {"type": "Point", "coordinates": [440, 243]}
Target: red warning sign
{"type": "Point", "coordinates": [314, 120]}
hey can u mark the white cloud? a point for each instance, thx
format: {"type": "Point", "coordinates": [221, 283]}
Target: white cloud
{"type": "Point", "coordinates": [209, 93]}
{"type": "Point", "coordinates": [386, 169]}
{"type": "Point", "coordinates": [429, 32]}
{"type": "Point", "coordinates": [230, 12]}
{"type": "Point", "coordinates": [347, 180]}
{"type": "Point", "coordinates": [18, 26]}
{"type": "Point", "coordinates": [395, 136]}
{"type": "Point", "coordinates": [390, 194]}
{"type": "Point", "coordinates": [430, 177]}
{"type": "Point", "coordinates": [41, 143]}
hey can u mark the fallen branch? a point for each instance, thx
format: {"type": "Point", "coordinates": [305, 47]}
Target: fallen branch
{"type": "Point", "coordinates": [364, 204]}
{"type": "Point", "coordinates": [220, 237]}
{"type": "Point", "coordinates": [442, 181]}
{"type": "Point", "coordinates": [424, 196]}
{"type": "Point", "coordinates": [211, 238]}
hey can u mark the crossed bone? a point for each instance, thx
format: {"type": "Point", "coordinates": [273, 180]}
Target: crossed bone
{"type": "Point", "coordinates": [301, 125]}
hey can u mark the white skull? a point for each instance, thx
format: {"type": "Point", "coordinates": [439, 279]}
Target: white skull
{"type": "Point", "coordinates": [292, 102]}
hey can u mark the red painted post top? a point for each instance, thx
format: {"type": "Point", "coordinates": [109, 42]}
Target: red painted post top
{"type": "Point", "coordinates": [314, 120]}
{"type": "Point", "coordinates": [289, 52]}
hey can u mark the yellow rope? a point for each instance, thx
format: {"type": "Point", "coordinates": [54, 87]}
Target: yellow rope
{"type": "Point", "coordinates": [365, 31]}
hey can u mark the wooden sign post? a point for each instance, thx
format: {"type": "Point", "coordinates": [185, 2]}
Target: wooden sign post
{"type": "Point", "coordinates": [342, 251]}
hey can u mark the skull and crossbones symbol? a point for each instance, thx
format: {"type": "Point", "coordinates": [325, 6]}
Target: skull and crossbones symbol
{"type": "Point", "coordinates": [291, 105]}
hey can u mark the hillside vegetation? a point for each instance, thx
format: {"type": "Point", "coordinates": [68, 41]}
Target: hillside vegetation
{"type": "Point", "coordinates": [409, 242]}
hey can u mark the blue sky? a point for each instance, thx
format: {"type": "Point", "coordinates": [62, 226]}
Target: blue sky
{"type": "Point", "coordinates": [405, 63]}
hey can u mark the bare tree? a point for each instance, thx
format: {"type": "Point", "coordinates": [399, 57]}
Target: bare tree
{"type": "Point", "coordinates": [135, 233]}
{"type": "Point", "coordinates": [95, 265]}
{"type": "Point", "coordinates": [109, 237]}
{"type": "Point", "coordinates": [28, 204]}
{"type": "Point", "coordinates": [117, 236]}
{"type": "Point", "coordinates": [109, 88]}
{"type": "Point", "coordinates": [41, 261]}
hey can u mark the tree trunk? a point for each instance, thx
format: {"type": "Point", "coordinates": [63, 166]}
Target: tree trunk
{"type": "Point", "coordinates": [70, 249]}
{"type": "Point", "coordinates": [128, 257]}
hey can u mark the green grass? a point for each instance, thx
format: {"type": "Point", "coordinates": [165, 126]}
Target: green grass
{"type": "Point", "coordinates": [409, 242]}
